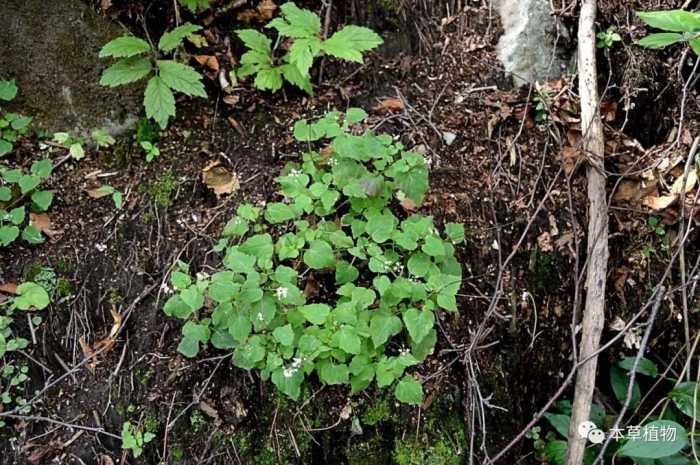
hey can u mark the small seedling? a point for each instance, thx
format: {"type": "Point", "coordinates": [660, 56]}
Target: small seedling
{"type": "Point", "coordinates": [151, 150]}
{"type": "Point", "coordinates": [12, 125]}
{"type": "Point", "coordinates": [135, 439]}
{"type": "Point", "coordinates": [117, 197]}
{"type": "Point", "coordinates": [607, 39]}
{"type": "Point", "coordinates": [303, 29]}
{"type": "Point", "coordinates": [20, 195]}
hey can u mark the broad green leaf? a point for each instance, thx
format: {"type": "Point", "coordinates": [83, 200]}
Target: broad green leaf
{"type": "Point", "coordinates": [42, 200]}
{"type": "Point", "coordinates": [193, 297]}
{"type": "Point", "coordinates": [31, 295]}
{"type": "Point", "coordinates": [8, 234]}
{"type": "Point", "coordinates": [419, 323]}
{"type": "Point", "coordinates": [172, 39]}
{"type": "Point", "coordinates": [560, 423]}
{"type": "Point", "coordinates": [5, 194]}
{"type": "Point", "coordinates": [182, 78]}
{"type": "Point", "coordinates": [671, 20]}
{"type": "Point", "coordinates": [17, 215]}
{"type": "Point", "coordinates": [125, 71]}
{"type": "Point", "coordinates": [302, 53]}
{"type": "Point", "coordinates": [332, 373]}
{"type": "Point", "coordinates": [315, 313]}
{"type": "Point", "coordinates": [246, 356]}
{"type": "Point", "coordinates": [176, 307]}
{"type": "Point", "coordinates": [409, 391]}
{"type": "Point", "coordinates": [28, 182]}
{"type": "Point", "coordinates": [239, 326]}
{"type": "Point", "coordinates": [288, 380]}
{"type": "Point", "coordinates": [32, 235]}
{"type": "Point", "coordinates": [8, 90]}
{"type": "Point", "coordinates": [348, 340]}
{"type": "Point", "coordinates": [660, 438]}
{"type": "Point", "coordinates": [619, 379]}
{"type": "Point", "coordinates": [159, 101]}
{"type": "Point", "coordinates": [433, 246]}
{"type": "Point", "coordinates": [660, 40]}
{"type": "Point", "coordinates": [350, 42]}
{"type": "Point", "coordinates": [77, 151]}
{"type": "Point", "coordinates": [345, 273]}
{"type": "Point", "coordinates": [645, 366]}
{"type": "Point", "coordinates": [42, 168]}
{"type": "Point", "coordinates": [259, 246]}
{"type": "Point", "coordinates": [455, 231]}
{"type": "Point", "coordinates": [123, 47]}
{"type": "Point", "coordinates": [685, 397]}
{"type": "Point", "coordinates": [355, 115]}
{"type": "Point", "coordinates": [319, 255]}
{"type": "Point", "coordinates": [188, 347]}
{"type": "Point", "coordinates": [5, 147]}
{"type": "Point", "coordinates": [21, 123]}
{"type": "Point", "coordinates": [278, 212]}
{"type": "Point", "coordinates": [195, 5]}
{"type": "Point", "coordinates": [284, 335]}
{"type": "Point", "coordinates": [383, 325]}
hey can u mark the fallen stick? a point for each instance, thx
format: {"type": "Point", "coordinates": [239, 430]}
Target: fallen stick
{"type": "Point", "coordinates": [596, 271]}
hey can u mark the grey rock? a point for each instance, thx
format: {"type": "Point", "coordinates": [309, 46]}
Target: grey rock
{"type": "Point", "coordinates": [51, 50]}
{"type": "Point", "coordinates": [528, 45]}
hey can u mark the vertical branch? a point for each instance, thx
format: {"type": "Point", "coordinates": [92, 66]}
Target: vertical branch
{"type": "Point", "coordinates": [594, 311]}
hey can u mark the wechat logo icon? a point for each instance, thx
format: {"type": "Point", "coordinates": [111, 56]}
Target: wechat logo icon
{"type": "Point", "coordinates": [588, 430]}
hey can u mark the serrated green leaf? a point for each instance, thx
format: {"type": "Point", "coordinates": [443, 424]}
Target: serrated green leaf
{"type": "Point", "coordinates": [383, 325]}
{"type": "Point", "coordinates": [419, 323]}
{"type": "Point", "coordinates": [297, 22]}
{"type": "Point", "coordinates": [125, 71]}
{"type": "Point", "coordinates": [256, 41]}
{"type": "Point", "coordinates": [315, 313]}
{"type": "Point", "coordinates": [182, 78]}
{"type": "Point", "coordinates": [124, 47]}
{"type": "Point", "coordinates": [269, 79]}
{"type": "Point", "coordinates": [350, 42]}
{"type": "Point", "coordinates": [159, 101]}
{"type": "Point", "coordinates": [292, 74]}
{"type": "Point", "coordinates": [172, 39]}
{"type": "Point", "coordinates": [302, 53]}
{"type": "Point", "coordinates": [284, 335]}
{"type": "Point", "coordinates": [195, 5]}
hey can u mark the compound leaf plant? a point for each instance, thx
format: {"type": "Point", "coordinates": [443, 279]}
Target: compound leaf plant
{"type": "Point", "coordinates": [12, 125]}
{"type": "Point", "coordinates": [381, 274]}
{"type": "Point", "coordinates": [303, 29]}
{"type": "Point", "coordinates": [137, 60]}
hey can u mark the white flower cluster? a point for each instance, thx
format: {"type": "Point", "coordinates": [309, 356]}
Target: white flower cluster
{"type": "Point", "coordinates": [294, 172]}
{"type": "Point", "coordinates": [281, 293]}
{"type": "Point", "coordinates": [397, 268]}
{"type": "Point", "coordinates": [332, 162]}
{"type": "Point", "coordinates": [293, 368]}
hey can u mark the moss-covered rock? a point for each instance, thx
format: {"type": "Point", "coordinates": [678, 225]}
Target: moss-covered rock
{"type": "Point", "coordinates": [51, 50]}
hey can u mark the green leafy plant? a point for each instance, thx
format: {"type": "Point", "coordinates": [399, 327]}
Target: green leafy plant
{"type": "Point", "coordinates": [678, 26]}
{"type": "Point", "coordinates": [29, 297]}
{"type": "Point", "coordinates": [379, 277]}
{"type": "Point", "coordinates": [607, 38]}
{"type": "Point", "coordinates": [195, 5]}
{"type": "Point", "coordinates": [644, 444]}
{"type": "Point", "coordinates": [12, 125]}
{"type": "Point", "coordinates": [135, 439]}
{"type": "Point", "coordinates": [136, 59]}
{"type": "Point", "coordinates": [20, 193]}
{"type": "Point", "coordinates": [303, 29]}
{"type": "Point", "coordinates": [151, 150]}
{"type": "Point", "coordinates": [117, 197]}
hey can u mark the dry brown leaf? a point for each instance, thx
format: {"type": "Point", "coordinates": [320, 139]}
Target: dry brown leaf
{"type": "Point", "coordinates": [105, 4]}
{"type": "Point", "coordinates": [690, 181]}
{"type": "Point", "coordinates": [219, 179]}
{"type": "Point", "coordinates": [267, 9]}
{"type": "Point", "coordinates": [97, 193]}
{"type": "Point", "coordinates": [627, 190]}
{"type": "Point", "coordinates": [544, 241]}
{"type": "Point", "coordinates": [210, 61]}
{"type": "Point", "coordinates": [42, 221]}
{"type": "Point", "coordinates": [389, 105]}
{"type": "Point", "coordinates": [408, 204]}
{"type": "Point", "coordinates": [232, 99]}
{"type": "Point", "coordinates": [659, 203]}
{"type": "Point", "coordinates": [569, 157]}
{"type": "Point", "coordinates": [8, 288]}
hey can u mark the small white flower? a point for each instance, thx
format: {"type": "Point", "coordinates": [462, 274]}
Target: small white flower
{"type": "Point", "coordinates": [294, 172]}
{"type": "Point", "coordinates": [296, 363]}
{"type": "Point", "coordinates": [288, 372]}
{"type": "Point", "coordinates": [201, 276]}
{"type": "Point", "coordinates": [261, 317]}
{"type": "Point", "coordinates": [281, 293]}
{"type": "Point", "coordinates": [100, 247]}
